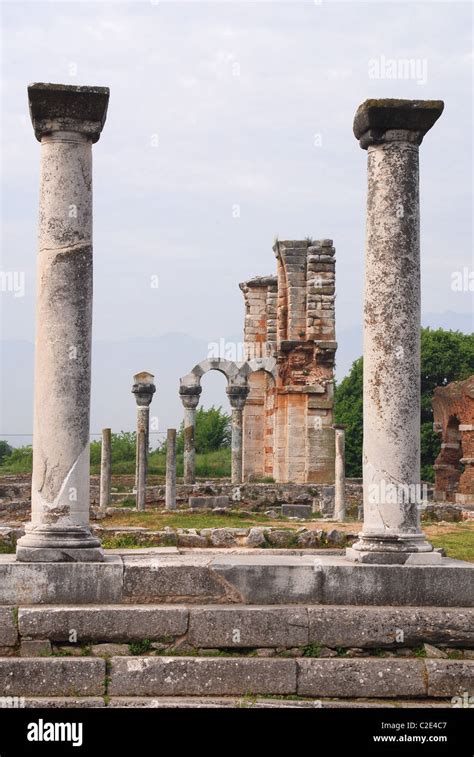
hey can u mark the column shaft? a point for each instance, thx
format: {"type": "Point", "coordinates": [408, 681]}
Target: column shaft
{"type": "Point", "coordinates": [340, 476]}
{"type": "Point", "coordinates": [170, 492]}
{"type": "Point", "coordinates": [391, 131]}
{"type": "Point", "coordinates": [189, 445]}
{"type": "Point", "coordinates": [66, 120]}
{"type": "Point", "coordinates": [143, 415]}
{"type": "Point", "coordinates": [105, 468]}
{"type": "Point", "coordinates": [236, 449]}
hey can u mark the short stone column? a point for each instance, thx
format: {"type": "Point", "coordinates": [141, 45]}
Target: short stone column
{"type": "Point", "coordinates": [170, 489]}
{"type": "Point", "coordinates": [105, 468]}
{"type": "Point", "coordinates": [237, 396]}
{"type": "Point", "coordinates": [340, 473]}
{"type": "Point", "coordinates": [190, 399]}
{"type": "Point", "coordinates": [143, 389]}
{"type": "Point", "coordinates": [67, 120]}
{"type": "Point", "coordinates": [391, 131]}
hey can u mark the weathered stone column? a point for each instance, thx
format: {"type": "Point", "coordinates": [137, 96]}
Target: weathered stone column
{"type": "Point", "coordinates": [340, 473]}
{"type": "Point", "coordinates": [190, 399]}
{"type": "Point", "coordinates": [237, 396]}
{"type": "Point", "coordinates": [67, 120]}
{"type": "Point", "coordinates": [143, 389]}
{"type": "Point", "coordinates": [170, 490]}
{"type": "Point", "coordinates": [391, 131]}
{"type": "Point", "coordinates": [105, 468]}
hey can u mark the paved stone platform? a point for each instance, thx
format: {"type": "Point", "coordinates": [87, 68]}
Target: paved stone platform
{"type": "Point", "coordinates": [168, 576]}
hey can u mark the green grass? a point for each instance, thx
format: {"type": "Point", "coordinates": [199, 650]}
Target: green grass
{"type": "Point", "coordinates": [157, 521]}
{"type": "Point", "coordinates": [7, 549]}
{"type": "Point", "coordinates": [139, 647]}
{"type": "Point", "coordinates": [458, 542]}
{"type": "Point", "coordinates": [208, 465]}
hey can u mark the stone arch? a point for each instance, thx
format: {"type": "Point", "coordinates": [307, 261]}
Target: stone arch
{"type": "Point", "coordinates": [237, 391]}
{"type": "Point", "coordinates": [235, 373]}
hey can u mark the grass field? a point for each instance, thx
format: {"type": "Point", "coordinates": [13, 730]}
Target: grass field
{"type": "Point", "coordinates": [208, 465]}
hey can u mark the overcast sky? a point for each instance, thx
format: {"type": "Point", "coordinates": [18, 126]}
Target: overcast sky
{"type": "Point", "coordinates": [230, 123]}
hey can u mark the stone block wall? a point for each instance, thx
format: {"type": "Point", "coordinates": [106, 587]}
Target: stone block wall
{"type": "Point", "coordinates": [453, 415]}
{"type": "Point", "coordinates": [288, 416]}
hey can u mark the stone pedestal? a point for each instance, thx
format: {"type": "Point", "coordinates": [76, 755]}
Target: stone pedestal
{"type": "Point", "coordinates": [190, 399]}
{"type": "Point", "coordinates": [67, 121]}
{"type": "Point", "coordinates": [170, 489]}
{"type": "Point", "coordinates": [105, 468]}
{"type": "Point", "coordinates": [237, 396]}
{"type": "Point", "coordinates": [391, 131]}
{"type": "Point", "coordinates": [143, 389]}
{"type": "Point", "coordinates": [340, 473]}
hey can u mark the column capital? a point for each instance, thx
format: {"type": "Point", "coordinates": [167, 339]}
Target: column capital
{"type": "Point", "coordinates": [143, 388]}
{"type": "Point", "coordinates": [237, 395]}
{"type": "Point", "coordinates": [380, 121]}
{"type": "Point", "coordinates": [62, 107]}
{"type": "Point", "coordinates": [190, 395]}
{"type": "Point", "coordinates": [339, 426]}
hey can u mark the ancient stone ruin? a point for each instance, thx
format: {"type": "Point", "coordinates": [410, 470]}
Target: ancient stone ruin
{"type": "Point", "coordinates": [453, 420]}
{"type": "Point", "coordinates": [304, 626]}
{"type": "Point", "coordinates": [282, 393]}
{"type": "Point", "coordinates": [289, 318]}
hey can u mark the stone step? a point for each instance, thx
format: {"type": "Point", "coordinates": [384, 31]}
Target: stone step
{"type": "Point", "coordinates": [52, 677]}
{"type": "Point", "coordinates": [218, 703]}
{"type": "Point", "coordinates": [242, 626]}
{"type": "Point", "coordinates": [148, 677]}
{"type": "Point", "coordinates": [346, 678]}
{"type": "Point", "coordinates": [262, 703]}
{"type": "Point", "coordinates": [237, 579]}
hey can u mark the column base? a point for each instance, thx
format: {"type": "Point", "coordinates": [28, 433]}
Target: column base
{"type": "Point", "coordinates": [395, 549]}
{"type": "Point", "coordinates": [52, 544]}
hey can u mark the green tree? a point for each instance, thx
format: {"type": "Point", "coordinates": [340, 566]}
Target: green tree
{"type": "Point", "coordinates": [122, 448]}
{"type": "Point", "coordinates": [5, 450]}
{"type": "Point", "coordinates": [212, 431]}
{"type": "Point", "coordinates": [348, 410]}
{"type": "Point", "coordinates": [445, 356]}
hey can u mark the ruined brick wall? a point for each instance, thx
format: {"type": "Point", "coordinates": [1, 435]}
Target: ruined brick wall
{"type": "Point", "coordinates": [453, 412]}
{"type": "Point", "coordinates": [288, 419]}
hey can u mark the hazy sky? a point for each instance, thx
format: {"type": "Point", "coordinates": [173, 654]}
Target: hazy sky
{"type": "Point", "coordinates": [230, 123]}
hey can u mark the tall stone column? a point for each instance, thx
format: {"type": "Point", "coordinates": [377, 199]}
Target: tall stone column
{"type": "Point", "coordinates": [170, 489]}
{"type": "Point", "coordinates": [391, 131]}
{"type": "Point", "coordinates": [340, 473]}
{"type": "Point", "coordinates": [67, 120]}
{"type": "Point", "coordinates": [105, 468]}
{"type": "Point", "coordinates": [237, 396]}
{"type": "Point", "coordinates": [143, 389]}
{"type": "Point", "coordinates": [190, 399]}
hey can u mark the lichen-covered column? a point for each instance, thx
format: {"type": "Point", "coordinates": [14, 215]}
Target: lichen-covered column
{"type": "Point", "coordinates": [340, 473]}
{"type": "Point", "coordinates": [170, 489]}
{"type": "Point", "coordinates": [237, 396]}
{"type": "Point", "coordinates": [391, 131]}
{"type": "Point", "coordinates": [105, 468]}
{"type": "Point", "coordinates": [143, 388]}
{"type": "Point", "coordinates": [67, 120]}
{"type": "Point", "coordinates": [190, 399]}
